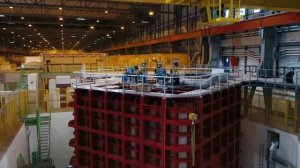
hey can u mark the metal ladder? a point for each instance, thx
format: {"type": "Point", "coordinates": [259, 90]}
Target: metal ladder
{"type": "Point", "coordinates": [43, 127]}
{"type": "Point", "coordinates": [261, 155]}
{"type": "Point", "coordinates": [44, 140]}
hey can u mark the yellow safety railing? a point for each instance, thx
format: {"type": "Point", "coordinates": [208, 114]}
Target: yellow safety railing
{"type": "Point", "coordinates": [15, 107]}
{"type": "Point", "coordinates": [23, 103]}
{"type": "Point", "coordinates": [8, 117]}
{"type": "Point", "coordinates": [283, 114]}
{"type": "Point", "coordinates": [46, 100]}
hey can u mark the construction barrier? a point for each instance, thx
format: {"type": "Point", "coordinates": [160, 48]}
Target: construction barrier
{"type": "Point", "coordinates": [15, 106]}
{"type": "Point", "coordinates": [8, 117]}
{"type": "Point", "coordinates": [283, 114]}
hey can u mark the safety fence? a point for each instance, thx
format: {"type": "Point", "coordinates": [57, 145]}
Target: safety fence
{"type": "Point", "coordinates": [9, 116]}
{"type": "Point", "coordinates": [15, 106]}
{"type": "Point", "coordinates": [283, 78]}
{"type": "Point", "coordinates": [46, 100]}
{"type": "Point", "coordinates": [282, 115]}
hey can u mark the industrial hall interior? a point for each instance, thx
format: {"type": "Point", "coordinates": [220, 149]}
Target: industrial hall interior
{"type": "Point", "coordinates": [149, 83]}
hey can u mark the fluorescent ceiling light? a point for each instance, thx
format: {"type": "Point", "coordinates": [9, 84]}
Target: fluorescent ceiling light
{"type": "Point", "coordinates": [151, 13]}
{"type": "Point", "coordinates": [80, 19]}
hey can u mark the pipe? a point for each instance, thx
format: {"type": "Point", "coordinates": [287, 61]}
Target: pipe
{"type": "Point", "coordinates": [272, 152]}
{"type": "Point", "coordinates": [272, 159]}
{"type": "Point", "coordinates": [222, 78]}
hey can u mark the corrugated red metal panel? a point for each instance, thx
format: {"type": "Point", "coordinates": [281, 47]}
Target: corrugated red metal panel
{"type": "Point", "coordinates": [134, 131]}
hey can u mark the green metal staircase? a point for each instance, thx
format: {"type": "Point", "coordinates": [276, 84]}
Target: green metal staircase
{"type": "Point", "coordinates": [41, 157]}
{"type": "Point", "coordinates": [44, 140]}
{"type": "Point", "coordinates": [22, 83]}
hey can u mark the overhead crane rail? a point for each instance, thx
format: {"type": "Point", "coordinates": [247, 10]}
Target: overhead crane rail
{"type": "Point", "coordinates": [276, 20]}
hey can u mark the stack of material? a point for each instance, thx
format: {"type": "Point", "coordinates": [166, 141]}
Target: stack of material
{"type": "Point", "coordinates": [6, 66]}
{"type": "Point", "coordinates": [150, 59]}
{"type": "Point", "coordinates": [34, 62]}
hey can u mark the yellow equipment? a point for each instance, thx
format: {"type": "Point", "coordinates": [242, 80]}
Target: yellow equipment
{"type": "Point", "coordinates": [193, 117]}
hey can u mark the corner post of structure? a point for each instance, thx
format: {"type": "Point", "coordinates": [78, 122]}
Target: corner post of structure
{"type": "Point", "coordinates": [205, 51]}
{"type": "Point", "coordinates": [268, 103]}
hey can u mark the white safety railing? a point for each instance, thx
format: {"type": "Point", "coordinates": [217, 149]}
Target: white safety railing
{"type": "Point", "coordinates": [195, 78]}
{"type": "Point", "coordinates": [188, 81]}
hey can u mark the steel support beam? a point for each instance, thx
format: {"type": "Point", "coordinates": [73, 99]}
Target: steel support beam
{"type": "Point", "coordinates": [214, 51]}
{"type": "Point", "coordinates": [248, 99]}
{"type": "Point", "coordinates": [268, 41]}
{"type": "Point", "coordinates": [276, 20]}
{"type": "Point", "coordinates": [268, 92]}
{"type": "Point", "coordinates": [205, 51]}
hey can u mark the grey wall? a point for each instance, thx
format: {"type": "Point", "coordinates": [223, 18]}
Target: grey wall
{"type": "Point", "coordinates": [60, 137]}
{"type": "Point", "coordinates": [18, 146]}
{"type": "Point", "coordinates": [256, 133]}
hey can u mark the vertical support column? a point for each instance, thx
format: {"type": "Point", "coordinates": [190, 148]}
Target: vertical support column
{"type": "Point", "coordinates": [297, 111]}
{"type": "Point", "coordinates": [150, 49]}
{"type": "Point", "coordinates": [268, 103]}
{"type": "Point", "coordinates": [214, 50]}
{"type": "Point", "coordinates": [248, 99]}
{"type": "Point", "coordinates": [268, 37]}
{"type": "Point", "coordinates": [174, 47]}
{"type": "Point", "coordinates": [205, 51]}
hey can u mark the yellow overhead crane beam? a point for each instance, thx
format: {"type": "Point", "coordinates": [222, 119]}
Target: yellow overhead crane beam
{"type": "Point", "coordinates": [221, 12]}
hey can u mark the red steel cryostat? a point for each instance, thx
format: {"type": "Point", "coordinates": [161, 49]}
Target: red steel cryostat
{"type": "Point", "coordinates": [114, 129]}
